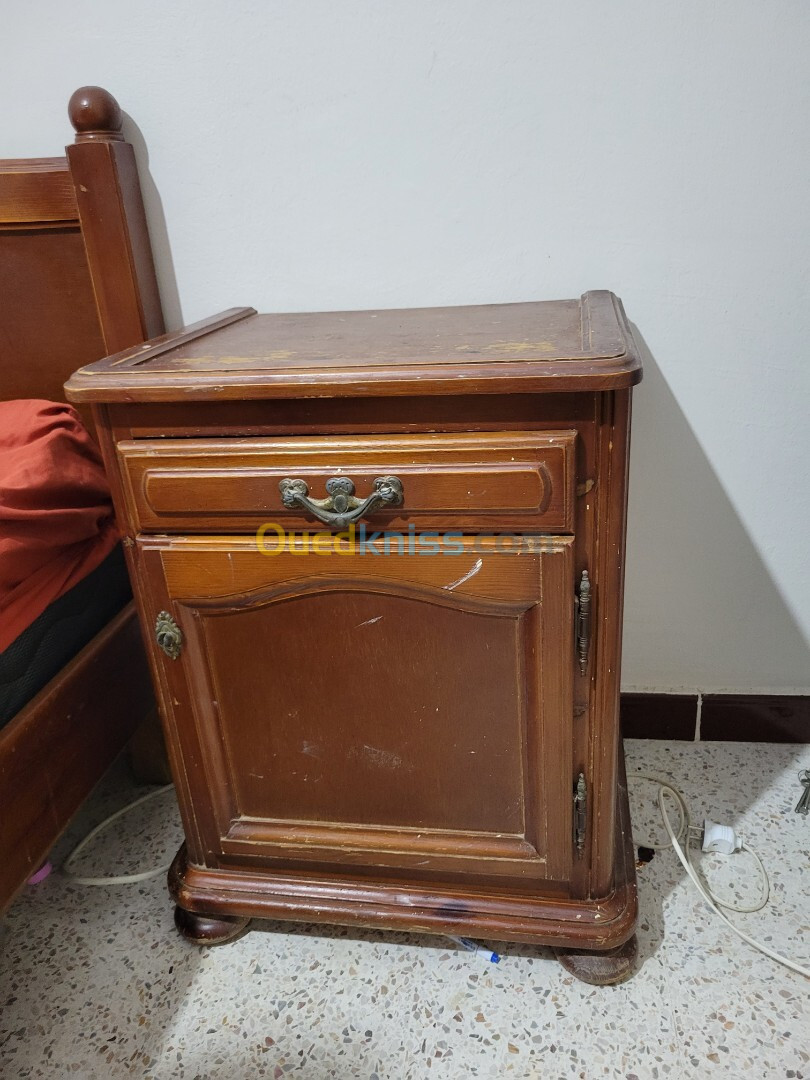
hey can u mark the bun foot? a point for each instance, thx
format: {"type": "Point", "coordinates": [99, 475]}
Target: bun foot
{"type": "Point", "coordinates": [209, 929]}
{"type": "Point", "coordinates": [601, 968]}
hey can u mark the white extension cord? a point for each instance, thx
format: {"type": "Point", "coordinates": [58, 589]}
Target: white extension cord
{"type": "Point", "coordinates": [680, 842]}
{"type": "Point", "coordinates": [124, 879]}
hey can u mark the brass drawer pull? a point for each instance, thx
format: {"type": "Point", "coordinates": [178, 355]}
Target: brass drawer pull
{"type": "Point", "coordinates": [342, 507]}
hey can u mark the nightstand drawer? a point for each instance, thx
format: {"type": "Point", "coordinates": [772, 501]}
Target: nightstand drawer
{"type": "Point", "coordinates": [477, 482]}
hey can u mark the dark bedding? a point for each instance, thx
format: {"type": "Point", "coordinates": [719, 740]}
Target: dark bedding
{"type": "Point", "coordinates": [59, 632]}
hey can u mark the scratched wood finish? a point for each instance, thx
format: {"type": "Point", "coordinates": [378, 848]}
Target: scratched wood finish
{"type": "Point", "coordinates": [521, 481]}
{"type": "Point", "coordinates": [582, 924]}
{"type": "Point", "coordinates": [61, 247]}
{"type": "Point", "coordinates": [353, 761]}
{"type": "Point", "coordinates": [315, 780]}
{"type": "Point", "coordinates": [554, 346]}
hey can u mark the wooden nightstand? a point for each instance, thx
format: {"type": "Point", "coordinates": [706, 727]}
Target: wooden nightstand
{"type": "Point", "coordinates": [378, 558]}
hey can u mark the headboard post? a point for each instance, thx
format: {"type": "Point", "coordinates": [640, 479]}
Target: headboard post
{"type": "Point", "coordinates": [113, 222]}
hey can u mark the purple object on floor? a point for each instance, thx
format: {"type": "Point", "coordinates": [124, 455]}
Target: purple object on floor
{"type": "Point", "coordinates": [41, 874]}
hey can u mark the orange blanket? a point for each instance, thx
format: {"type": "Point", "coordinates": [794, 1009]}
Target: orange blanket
{"type": "Point", "coordinates": [56, 517]}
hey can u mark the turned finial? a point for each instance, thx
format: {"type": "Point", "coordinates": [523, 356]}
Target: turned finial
{"type": "Point", "coordinates": [95, 115]}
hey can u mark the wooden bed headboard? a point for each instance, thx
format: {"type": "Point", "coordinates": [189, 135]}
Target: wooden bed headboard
{"type": "Point", "coordinates": [77, 278]}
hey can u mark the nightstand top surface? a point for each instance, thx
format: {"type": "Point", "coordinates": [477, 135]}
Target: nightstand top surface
{"type": "Point", "coordinates": [567, 345]}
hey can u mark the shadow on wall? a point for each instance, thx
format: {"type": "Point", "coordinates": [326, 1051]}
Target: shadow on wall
{"type": "Point", "coordinates": [702, 612]}
{"type": "Point", "coordinates": [158, 233]}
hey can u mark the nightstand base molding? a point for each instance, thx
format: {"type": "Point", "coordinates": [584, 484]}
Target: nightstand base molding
{"type": "Point", "coordinates": [583, 926]}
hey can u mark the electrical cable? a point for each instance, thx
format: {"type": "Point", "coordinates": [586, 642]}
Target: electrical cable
{"type": "Point", "coordinates": [682, 835]}
{"type": "Point", "coordinates": [124, 879]}
{"type": "Point", "coordinates": [715, 903]}
{"type": "Point", "coordinates": [677, 838]}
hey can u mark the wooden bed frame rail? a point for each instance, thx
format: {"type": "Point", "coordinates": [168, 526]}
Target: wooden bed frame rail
{"type": "Point", "coordinates": [78, 282]}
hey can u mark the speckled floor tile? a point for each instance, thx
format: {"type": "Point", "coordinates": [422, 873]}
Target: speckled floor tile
{"type": "Point", "coordinates": [95, 982]}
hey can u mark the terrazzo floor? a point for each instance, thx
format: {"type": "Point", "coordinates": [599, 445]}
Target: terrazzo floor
{"type": "Point", "coordinates": [95, 982]}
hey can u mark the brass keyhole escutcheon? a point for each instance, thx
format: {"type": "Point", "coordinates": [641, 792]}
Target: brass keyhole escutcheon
{"type": "Point", "coordinates": [168, 635]}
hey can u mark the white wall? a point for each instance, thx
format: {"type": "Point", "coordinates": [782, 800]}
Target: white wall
{"type": "Point", "coordinates": [317, 154]}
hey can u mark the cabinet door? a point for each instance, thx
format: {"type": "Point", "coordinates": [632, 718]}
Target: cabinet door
{"type": "Point", "coordinates": [381, 713]}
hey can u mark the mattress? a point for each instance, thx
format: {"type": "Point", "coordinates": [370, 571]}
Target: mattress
{"type": "Point", "coordinates": [66, 625]}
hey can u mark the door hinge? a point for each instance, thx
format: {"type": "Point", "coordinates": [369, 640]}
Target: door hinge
{"type": "Point", "coordinates": [580, 813]}
{"type": "Point", "coordinates": [583, 634]}
{"type": "Point", "coordinates": [168, 635]}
